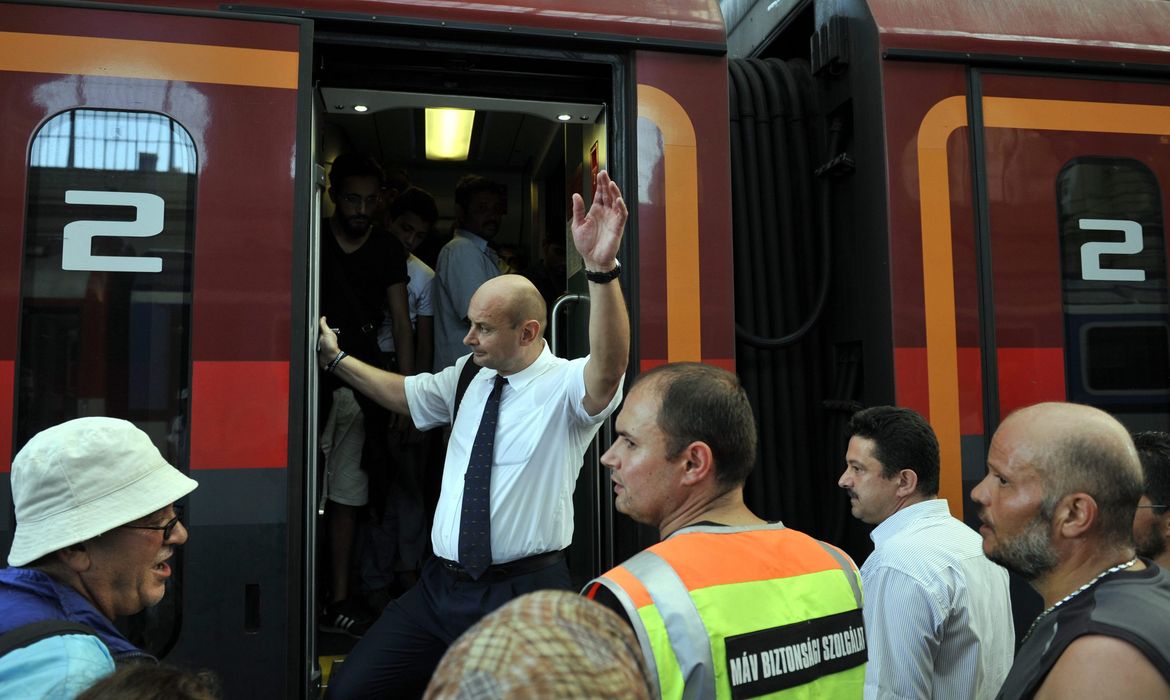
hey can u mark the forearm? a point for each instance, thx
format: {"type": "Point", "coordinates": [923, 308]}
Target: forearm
{"type": "Point", "coordinates": [609, 344]}
{"type": "Point", "coordinates": [400, 328]}
{"type": "Point", "coordinates": [425, 335]}
{"type": "Point", "coordinates": [404, 345]}
{"type": "Point", "coordinates": [385, 388]}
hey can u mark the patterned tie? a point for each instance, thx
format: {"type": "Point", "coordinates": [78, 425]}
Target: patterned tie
{"type": "Point", "coordinates": [475, 529]}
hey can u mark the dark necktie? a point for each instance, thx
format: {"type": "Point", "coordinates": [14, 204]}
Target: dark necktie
{"type": "Point", "coordinates": [475, 528]}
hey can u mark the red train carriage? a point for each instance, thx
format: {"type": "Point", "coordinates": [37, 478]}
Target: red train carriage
{"type": "Point", "coordinates": [969, 219]}
{"type": "Point", "coordinates": [158, 261]}
{"type": "Point", "coordinates": [994, 179]}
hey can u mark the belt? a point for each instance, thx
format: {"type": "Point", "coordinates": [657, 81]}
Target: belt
{"type": "Point", "coordinates": [507, 570]}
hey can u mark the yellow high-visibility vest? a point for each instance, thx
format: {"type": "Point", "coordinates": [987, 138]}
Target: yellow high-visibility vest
{"type": "Point", "coordinates": [744, 612]}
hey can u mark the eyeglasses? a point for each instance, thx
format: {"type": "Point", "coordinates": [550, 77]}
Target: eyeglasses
{"type": "Point", "coordinates": [1153, 506]}
{"type": "Point", "coordinates": [356, 200]}
{"type": "Point", "coordinates": [167, 528]}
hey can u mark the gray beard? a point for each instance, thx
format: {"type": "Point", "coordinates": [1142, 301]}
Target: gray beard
{"type": "Point", "coordinates": [1029, 554]}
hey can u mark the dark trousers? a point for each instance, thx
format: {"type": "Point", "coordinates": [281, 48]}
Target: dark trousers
{"type": "Point", "coordinates": [396, 657]}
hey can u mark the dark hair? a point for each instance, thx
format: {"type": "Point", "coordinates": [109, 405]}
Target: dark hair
{"type": "Point", "coordinates": [706, 404]}
{"type": "Point", "coordinates": [149, 681]}
{"type": "Point", "coordinates": [902, 439]}
{"type": "Point", "coordinates": [470, 185]}
{"type": "Point", "coordinates": [1153, 449]}
{"type": "Point", "coordinates": [350, 165]}
{"type": "Point", "coordinates": [415, 200]}
{"type": "Point", "coordinates": [396, 179]}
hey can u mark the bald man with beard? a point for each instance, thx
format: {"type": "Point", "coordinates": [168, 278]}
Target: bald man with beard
{"type": "Point", "coordinates": [518, 435]}
{"type": "Point", "coordinates": [1057, 508]}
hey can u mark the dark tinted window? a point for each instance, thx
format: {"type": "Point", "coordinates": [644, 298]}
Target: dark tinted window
{"type": "Point", "coordinates": [1113, 263]}
{"type": "Point", "coordinates": [106, 288]}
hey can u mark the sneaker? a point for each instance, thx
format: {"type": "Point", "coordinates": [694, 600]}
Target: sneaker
{"type": "Point", "coordinates": [345, 617]}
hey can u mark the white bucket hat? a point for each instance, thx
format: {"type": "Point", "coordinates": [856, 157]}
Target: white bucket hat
{"type": "Point", "coordinates": [84, 477]}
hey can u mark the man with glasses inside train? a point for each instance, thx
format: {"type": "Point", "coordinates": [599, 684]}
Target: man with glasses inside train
{"type": "Point", "coordinates": [1151, 522]}
{"type": "Point", "coordinates": [505, 512]}
{"type": "Point", "coordinates": [95, 527]}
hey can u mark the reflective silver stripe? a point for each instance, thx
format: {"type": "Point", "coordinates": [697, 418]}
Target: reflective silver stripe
{"type": "Point", "coordinates": [639, 628]}
{"type": "Point", "coordinates": [688, 635]}
{"type": "Point", "coordinates": [847, 567]}
{"type": "Point", "coordinates": [726, 529]}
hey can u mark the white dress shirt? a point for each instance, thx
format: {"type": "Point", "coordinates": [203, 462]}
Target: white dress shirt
{"type": "Point", "coordinates": [541, 437]}
{"type": "Point", "coordinates": [938, 615]}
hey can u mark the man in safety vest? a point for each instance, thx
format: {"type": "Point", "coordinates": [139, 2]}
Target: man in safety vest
{"type": "Point", "coordinates": [726, 605]}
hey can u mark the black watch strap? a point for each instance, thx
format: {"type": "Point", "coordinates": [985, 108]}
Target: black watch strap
{"type": "Point", "coordinates": [604, 277]}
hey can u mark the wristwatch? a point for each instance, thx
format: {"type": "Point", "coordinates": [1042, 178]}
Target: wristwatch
{"type": "Point", "coordinates": [604, 277]}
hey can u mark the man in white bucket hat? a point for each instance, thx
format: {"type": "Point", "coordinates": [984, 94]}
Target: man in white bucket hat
{"type": "Point", "coordinates": [95, 526]}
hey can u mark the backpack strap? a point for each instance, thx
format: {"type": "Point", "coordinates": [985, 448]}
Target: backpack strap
{"type": "Point", "coordinates": [470, 369]}
{"type": "Point", "coordinates": [34, 632]}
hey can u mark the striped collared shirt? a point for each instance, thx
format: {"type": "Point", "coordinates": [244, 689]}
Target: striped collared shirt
{"type": "Point", "coordinates": [938, 613]}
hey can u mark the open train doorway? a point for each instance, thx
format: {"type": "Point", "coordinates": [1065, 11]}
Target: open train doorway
{"type": "Point", "coordinates": [537, 124]}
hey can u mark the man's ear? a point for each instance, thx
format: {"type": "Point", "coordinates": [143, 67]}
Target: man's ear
{"type": "Point", "coordinates": [700, 463]}
{"type": "Point", "coordinates": [332, 196]}
{"type": "Point", "coordinates": [907, 482]}
{"type": "Point", "coordinates": [75, 557]}
{"type": "Point", "coordinates": [1075, 515]}
{"type": "Point", "coordinates": [529, 331]}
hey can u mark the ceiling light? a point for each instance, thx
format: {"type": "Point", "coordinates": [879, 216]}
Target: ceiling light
{"type": "Point", "coordinates": [449, 133]}
{"type": "Point", "coordinates": [564, 117]}
{"type": "Point", "coordinates": [360, 108]}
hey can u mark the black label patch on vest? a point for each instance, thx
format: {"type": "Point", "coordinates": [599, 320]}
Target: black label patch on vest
{"type": "Point", "coordinates": [775, 659]}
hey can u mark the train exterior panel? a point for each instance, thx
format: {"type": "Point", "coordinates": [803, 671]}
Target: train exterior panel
{"type": "Point", "coordinates": [159, 262]}
{"type": "Point", "coordinates": [1025, 218]}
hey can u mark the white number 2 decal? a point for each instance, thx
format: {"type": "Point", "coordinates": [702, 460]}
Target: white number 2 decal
{"type": "Point", "coordinates": [77, 248]}
{"type": "Point", "coordinates": [1092, 251]}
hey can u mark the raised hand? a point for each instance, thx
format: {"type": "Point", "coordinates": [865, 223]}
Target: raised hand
{"type": "Point", "coordinates": [597, 234]}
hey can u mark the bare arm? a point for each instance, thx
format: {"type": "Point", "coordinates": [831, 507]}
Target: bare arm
{"type": "Point", "coordinates": [400, 327]}
{"type": "Point", "coordinates": [425, 333]}
{"type": "Point", "coordinates": [597, 234]}
{"type": "Point", "coordinates": [1102, 667]}
{"type": "Point", "coordinates": [385, 388]}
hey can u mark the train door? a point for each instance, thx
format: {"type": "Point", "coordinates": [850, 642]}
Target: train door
{"type": "Point", "coordinates": [1075, 177]}
{"type": "Point", "coordinates": [538, 127]}
{"type": "Point", "coordinates": [147, 260]}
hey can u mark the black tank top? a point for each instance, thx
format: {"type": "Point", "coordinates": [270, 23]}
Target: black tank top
{"type": "Point", "coordinates": [1131, 606]}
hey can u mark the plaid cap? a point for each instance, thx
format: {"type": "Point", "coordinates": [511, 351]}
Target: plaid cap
{"type": "Point", "coordinates": [547, 644]}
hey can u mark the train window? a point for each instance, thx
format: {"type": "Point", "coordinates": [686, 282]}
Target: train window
{"type": "Point", "coordinates": [1113, 263]}
{"type": "Point", "coordinates": [106, 287]}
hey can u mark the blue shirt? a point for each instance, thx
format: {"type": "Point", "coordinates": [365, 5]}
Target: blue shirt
{"type": "Point", "coordinates": [464, 264]}
{"type": "Point", "coordinates": [61, 666]}
{"type": "Point", "coordinates": [57, 668]}
{"type": "Point", "coordinates": [938, 617]}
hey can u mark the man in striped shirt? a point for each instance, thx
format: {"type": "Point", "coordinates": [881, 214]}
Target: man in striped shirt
{"type": "Point", "coordinates": [938, 614]}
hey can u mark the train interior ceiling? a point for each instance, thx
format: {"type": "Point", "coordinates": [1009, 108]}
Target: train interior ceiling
{"type": "Point", "coordinates": [534, 125]}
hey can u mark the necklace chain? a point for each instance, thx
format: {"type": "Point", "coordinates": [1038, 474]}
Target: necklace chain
{"type": "Point", "coordinates": [1074, 594]}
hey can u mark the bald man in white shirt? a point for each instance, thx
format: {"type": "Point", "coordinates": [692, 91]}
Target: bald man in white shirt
{"type": "Point", "coordinates": [549, 409]}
